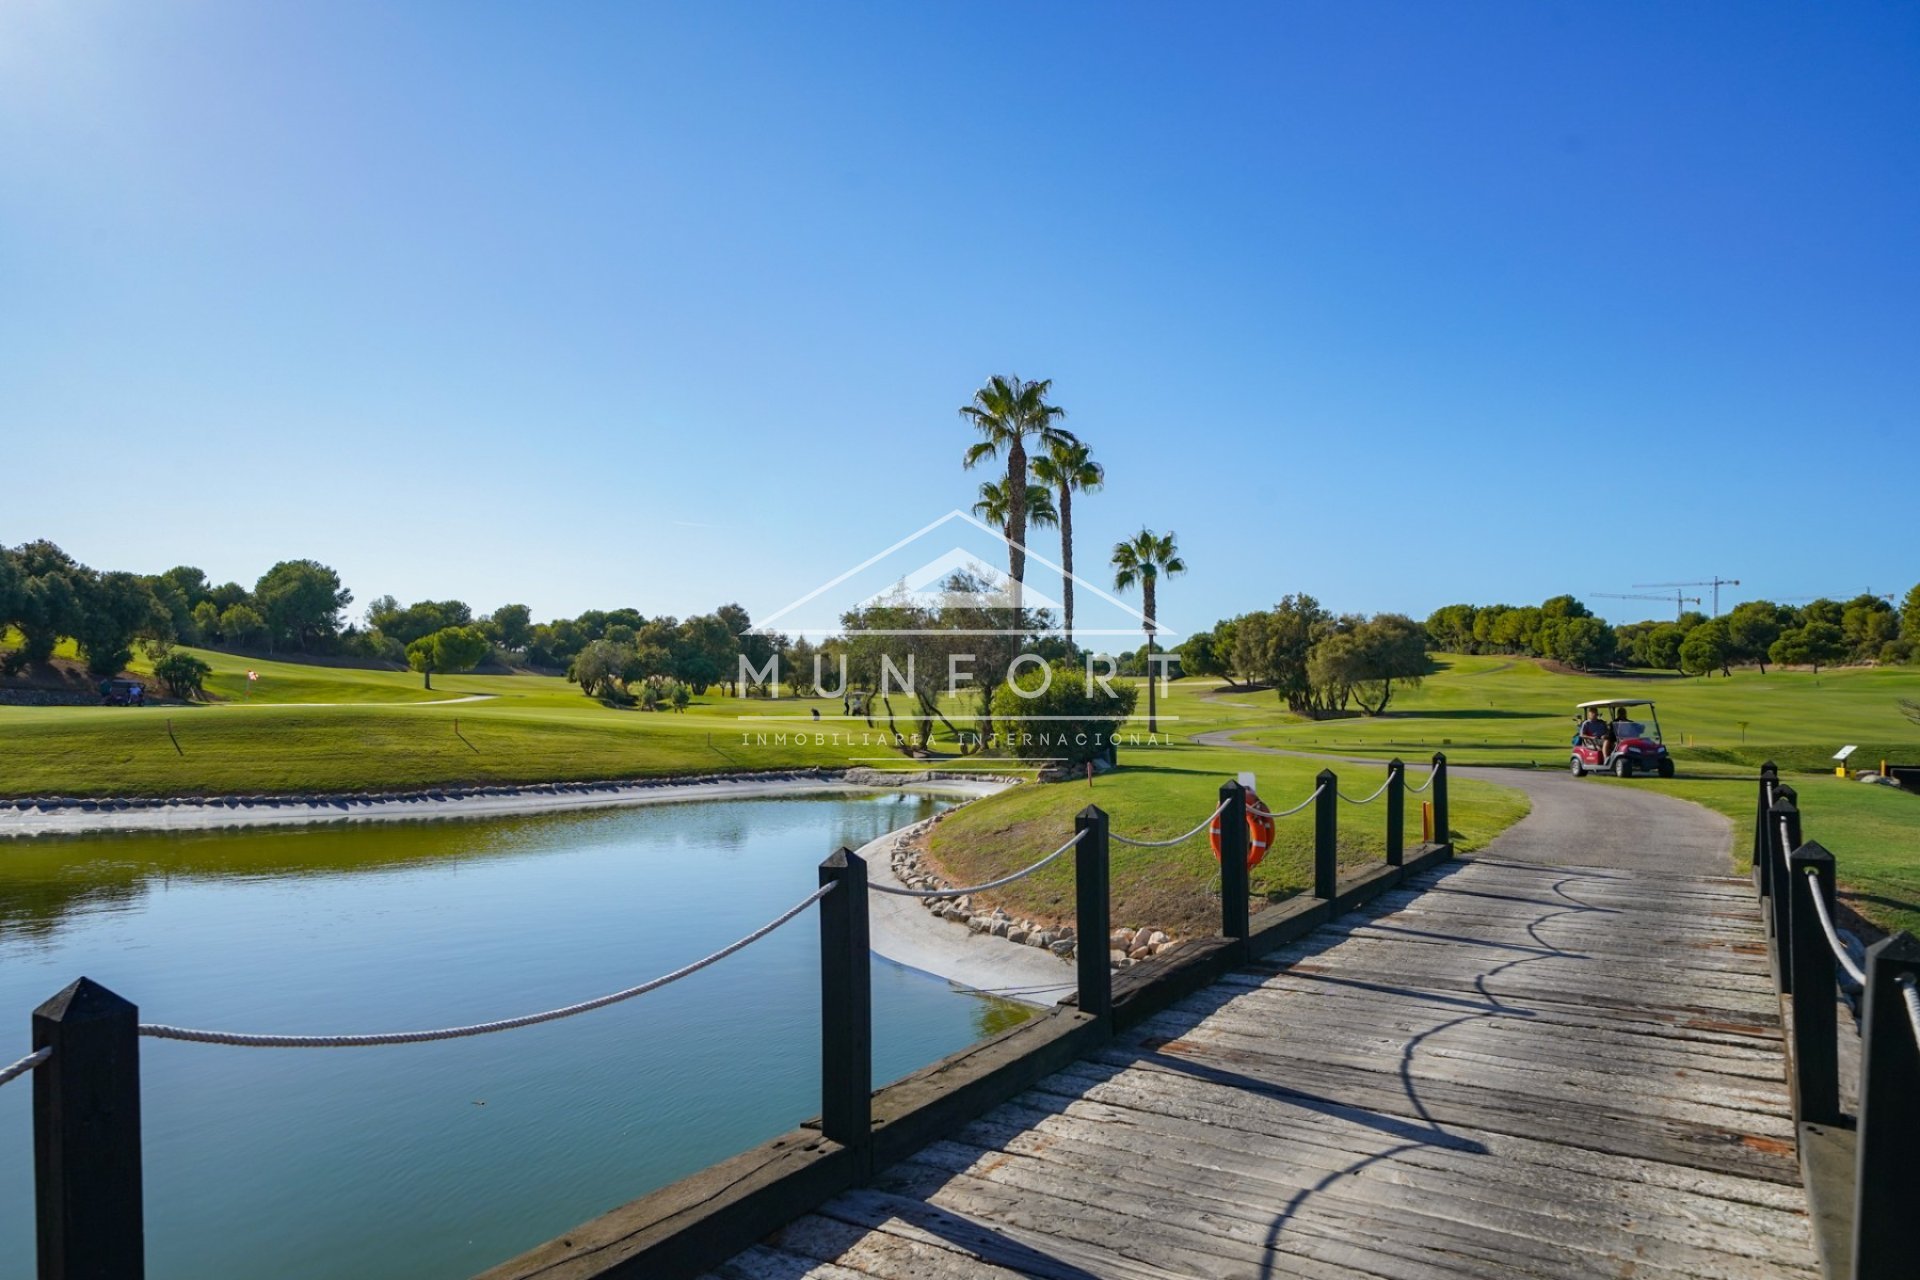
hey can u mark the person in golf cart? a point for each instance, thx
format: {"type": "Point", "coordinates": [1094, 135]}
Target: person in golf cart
{"type": "Point", "coordinates": [1594, 729]}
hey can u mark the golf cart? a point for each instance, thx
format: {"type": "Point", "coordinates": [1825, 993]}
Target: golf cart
{"type": "Point", "coordinates": [1627, 747]}
{"type": "Point", "coordinates": [122, 693]}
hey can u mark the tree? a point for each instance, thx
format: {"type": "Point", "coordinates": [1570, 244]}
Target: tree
{"type": "Point", "coordinates": [1200, 657]}
{"type": "Point", "coordinates": [183, 674]}
{"type": "Point", "coordinates": [1811, 644]}
{"type": "Point", "coordinates": [704, 651]}
{"type": "Point", "coordinates": [302, 602]}
{"type": "Point", "coordinates": [46, 600]}
{"type": "Point", "coordinates": [421, 618]}
{"type": "Point", "coordinates": [206, 622]}
{"type": "Point", "coordinates": [994, 508]}
{"type": "Point", "coordinates": [1582, 643]}
{"type": "Point", "coordinates": [1366, 658]}
{"type": "Point", "coordinates": [1007, 412]}
{"type": "Point", "coordinates": [1706, 647]}
{"type": "Point", "coordinates": [511, 626]}
{"type": "Point", "coordinates": [1867, 624]}
{"type": "Point", "coordinates": [115, 609]}
{"type": "Point", "coordinates": [1752, 628]}
{"type": "Point", "coordinates": [1070, 469]}
{"type": "Point", "coordinates": [1141, 560]}
{"type": "Point", "coordinates": [242, 626]}
{"type": "Point", "coordinates": [448, 650]}
{"type": "Point", "coordinates": [1662, 647]}
{"type": "Point", "coordinates": [596, 668]}
{"type": "Point", "coordinates": [1451, 628]}
{"type": "Point", "coordinates": [1910, 615]}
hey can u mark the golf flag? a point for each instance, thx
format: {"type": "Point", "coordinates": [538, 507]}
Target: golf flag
{"type": "Point", "coordinates": [253, 675]}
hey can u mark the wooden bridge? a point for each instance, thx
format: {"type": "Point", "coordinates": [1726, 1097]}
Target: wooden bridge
{"type": "Point", "coordinates": [1498, 1069]}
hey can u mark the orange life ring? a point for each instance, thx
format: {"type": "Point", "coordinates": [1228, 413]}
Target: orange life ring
{"type": "Point", "coordinates": [1259, 831]}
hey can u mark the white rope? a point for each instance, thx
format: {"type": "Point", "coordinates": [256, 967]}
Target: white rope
{"type": "Point", "coordinates": [1911, 994]}
{"type": "Point", "coordinates": [1370, 799]}
{"type": "Point", "coordinates": [1297, 808]}
{"type": "Point", "coordinates": [1431, 774]}
{"type": "Point", "coordinates": [877, 887]}
{"type": "Point", "coordinates": [9, 1074]}
{"type": "Point", "coordinates": [1833, 939]}
{"type": "Point", "coordinates": [1162, 844]}
{"type": "Point", "coordinates": [162, 1032]}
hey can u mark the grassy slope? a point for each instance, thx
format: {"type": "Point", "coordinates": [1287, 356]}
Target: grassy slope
{"type": "Point", "coordinates": [1488, 710]}
{"type": "Point", "coordinates": [1164, 791]}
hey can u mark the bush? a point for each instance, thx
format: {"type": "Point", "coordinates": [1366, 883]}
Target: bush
{"type": "Point", "coordinates": [1052, 713]}
{"type": "Point", "coordinates": [183, 674]}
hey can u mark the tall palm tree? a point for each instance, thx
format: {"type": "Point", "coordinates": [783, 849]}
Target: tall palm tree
{"type": "Point", "coordinates": [1007, 412]}
{"type": "Point", "coordinates": [1068, 466]}
{"type": "Point", "coordinates": [1142, 559]}
{"type": "Point", "coordinates": [995, 510]}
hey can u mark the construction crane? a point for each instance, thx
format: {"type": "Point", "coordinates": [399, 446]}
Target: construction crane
{"type": "Point", "coordinates": [1716, 582]}
{"type": "Point", "coordinates": [1680, 602]}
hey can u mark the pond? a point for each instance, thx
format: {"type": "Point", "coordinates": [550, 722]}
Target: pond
{"type": "Point", "coordinates": [438, 1160]}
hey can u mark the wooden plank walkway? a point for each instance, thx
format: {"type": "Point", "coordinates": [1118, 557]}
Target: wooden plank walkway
{"type": "Point", "coordinates": [1502, 1070]}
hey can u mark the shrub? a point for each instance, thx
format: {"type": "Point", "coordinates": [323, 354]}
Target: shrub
{"type": "Point", "coordinates": [183, 674]}
{"type": "Point", "coordinates": [1051, 712]}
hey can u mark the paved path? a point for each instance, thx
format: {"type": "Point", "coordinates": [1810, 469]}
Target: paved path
{"type": "Point", "coordinates": [1592, 821]}
{"type": "Point", "coordinates": [1508, 1068]}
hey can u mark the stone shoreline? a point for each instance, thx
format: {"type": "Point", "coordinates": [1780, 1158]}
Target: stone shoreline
{"type": "Point", "coordinates": [62, 815]}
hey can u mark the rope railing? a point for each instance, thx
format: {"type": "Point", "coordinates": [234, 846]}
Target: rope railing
{"type": "Point", "coordinates": [1432, 773]}
{"type": "Point", "coordinates": [1179, 839]}
{"type": "Point", "coordinates": [160, 1031]}
{"type": "Point", "coordinates": [11, 1073]}
{"type": "Point", "coordinates": [1839, 948]}
{"type": "Point", "coordinates": [1288, 813]}
{"type": "Point", "coordinates": [1377, 793]}
{"type": "Point", "coordinates": [899, 891]}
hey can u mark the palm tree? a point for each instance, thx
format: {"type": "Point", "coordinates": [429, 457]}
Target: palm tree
{"type": "Point", "coordinates": [1007, 411]}
{"type": "Point", "coordinates": [993, 507]}
{"type": "Point", "coordinates": [1142, 559]}
{"type": "Point", "coordinates": [1068, 466]}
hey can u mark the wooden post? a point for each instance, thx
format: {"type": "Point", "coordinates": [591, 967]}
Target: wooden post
{"type": "Point", "coordinates": [1816, 1060]}
{"type": "Point", "coordinates": [1762, 865]}
{"type": "Point", "coordinates": [1396, 812]}
{"type": "Point", "coordinates": [1234, 911]}
{"type": "Point", "coordinates": [86, 1137]}
{"type": "Point", "coordinates": [1886, 1231]}
{"type": "Point", "coordinates": [1326, 836]}
{"type": "Point", "coordinates": [1442, 820]}
{"type": "Point", "coordinates": [846, 1003]}
{"type": "Point", "coordinates": [1783, 835]}
{"type": "Point", "coordinates": [1091, 925]}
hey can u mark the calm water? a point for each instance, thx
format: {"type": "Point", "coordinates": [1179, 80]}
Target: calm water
{"type": "Point", "coordinates": [438, 1160]}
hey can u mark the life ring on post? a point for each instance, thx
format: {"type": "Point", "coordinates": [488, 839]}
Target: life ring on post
{"type": "Point", "coordinates": [1259, 831]}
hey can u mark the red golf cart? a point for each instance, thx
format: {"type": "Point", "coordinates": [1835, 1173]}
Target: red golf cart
{"type": "Point", "coordinates": [1625, 746]}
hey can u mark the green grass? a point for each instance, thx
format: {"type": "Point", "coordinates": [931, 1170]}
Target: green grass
{"type": "Point", "coordinates": [1493, 710]}
{"type": "Point", "coordinates": [1164, 791]}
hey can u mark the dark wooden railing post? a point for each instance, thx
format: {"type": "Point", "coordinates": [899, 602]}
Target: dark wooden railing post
{"type": "Point", "coordinates": [846, 1003]}
{"type": "Point", "coordinates": [1326, 836]}
{"type": "Point", "coordinates": [86, 1137]}
{"type": "Point", "coordinates": [1762, 865]}
{"type": "Point", "coordinates": [1886, 1230]}
{"type": "Point", "coordinates": [1442, 820]}
{"type": "Point", "coordinates": [1092, 924]}
{"type": "Point", "coordinates": [1783, 835]}
{"type": "Point", "coordinates": [1816, 1058]}
{"type": "Point", "coordinates": [1396, 812]}
{"type": "Point", "coordinates": [1234, 911]}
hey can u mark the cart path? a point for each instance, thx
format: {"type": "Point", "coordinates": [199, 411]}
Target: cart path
{"type": "Point", "coordinates": [1575, 822]}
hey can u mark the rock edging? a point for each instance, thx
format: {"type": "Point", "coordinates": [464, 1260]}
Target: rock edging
{"type": "Point", "coordinates": [913, 867]}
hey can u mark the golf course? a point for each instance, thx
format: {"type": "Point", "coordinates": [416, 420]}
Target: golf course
{"type": "Point", "coordinates": [307, 728]}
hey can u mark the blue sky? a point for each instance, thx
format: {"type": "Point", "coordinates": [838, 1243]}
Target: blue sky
{"type": "Point", "coordinates": [612, 304]}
